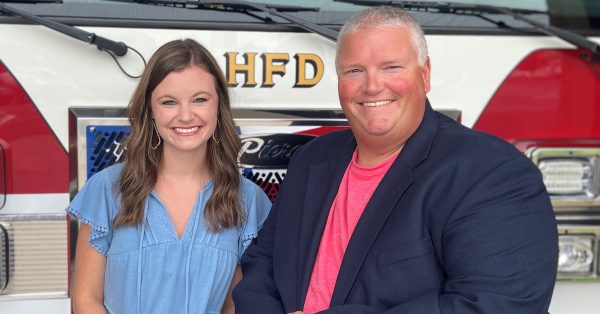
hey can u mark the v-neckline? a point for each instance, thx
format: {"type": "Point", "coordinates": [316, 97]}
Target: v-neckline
{"type": "Point", "coordinates": [190, 221]}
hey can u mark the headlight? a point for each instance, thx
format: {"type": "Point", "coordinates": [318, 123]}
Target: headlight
{"type": "Point", "coordinates": [571, 175]}
{"type": "Point", "coordinates": [576, 255]}
{"type": "Point", "coordinates": [578, 251]}
{"type": "Point", "coordinates": [568, 176]}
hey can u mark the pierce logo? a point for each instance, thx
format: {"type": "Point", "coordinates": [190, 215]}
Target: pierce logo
{"type": "Point", "coordinates": [272, 151]}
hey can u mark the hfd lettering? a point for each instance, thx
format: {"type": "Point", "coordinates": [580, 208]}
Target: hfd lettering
{"type": "Point", "coordinates": [273, 64]}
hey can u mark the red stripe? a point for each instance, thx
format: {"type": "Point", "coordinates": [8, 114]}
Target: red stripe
{"type": "Point", "coordinates": [36, 162]}
{"type": "Point", "coordinates": [551, 95]}
{"type": "Point", "coordinates": [322, 130]}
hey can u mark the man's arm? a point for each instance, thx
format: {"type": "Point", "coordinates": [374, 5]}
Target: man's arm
{"type": "Point", "coordinates": [500, 249]}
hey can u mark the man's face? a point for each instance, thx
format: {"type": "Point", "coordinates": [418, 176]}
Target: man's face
{"type": "Point", "coordinates": [382, 85]}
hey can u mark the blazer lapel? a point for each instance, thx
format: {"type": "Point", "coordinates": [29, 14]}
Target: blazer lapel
{"type": "Point", "coordinates": [376, 213]}
{"type": "Point", "coordinates": [322, 186]}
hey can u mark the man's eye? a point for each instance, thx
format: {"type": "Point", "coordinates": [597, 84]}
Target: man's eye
{"type": "Point", "coordinates": [352, 71]}
{"type": "Point", "coordinates": [168, 102]}
{"type": "Point", "coordinates": [392, 67]}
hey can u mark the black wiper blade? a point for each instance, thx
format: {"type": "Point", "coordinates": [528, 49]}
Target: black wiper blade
{"type": "Point", "coordinates": [117, 48]}
{"type": "Point", "coordinates": [568, 36]}
{"type": "Point", "coordinates": [242, 5]}
{"type": "Point", "coordinates": [223, 5]}
{"type": "Point", "coordinates": [272, 10]}
{"type": "Point", "coordinates": [247, 7]}
{"type": "Point", "coordinates": [441, 7]}
{"type": "Point", "coordinates": [478, 9]}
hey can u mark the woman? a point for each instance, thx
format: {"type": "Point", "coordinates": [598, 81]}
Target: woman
{"type": "Point", "coordinates": [163, 232]}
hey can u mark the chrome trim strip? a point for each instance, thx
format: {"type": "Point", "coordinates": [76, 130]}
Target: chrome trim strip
{"type": "Point", "coordinates": [35, 204]}
{"type": "Point", "coordinates": [33, 217]}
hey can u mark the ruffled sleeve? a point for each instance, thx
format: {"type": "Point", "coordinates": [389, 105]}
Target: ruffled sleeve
{"type": "Point", "coordinates": [96, 205]}
{"type": "Point", "coordinates": [257, 206]}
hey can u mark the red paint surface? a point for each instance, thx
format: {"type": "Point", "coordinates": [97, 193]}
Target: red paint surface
{"type": "Point", "coordinates": [322, 130]}
{"type": "Point", "coordinates": [36, 162]}
{"type": "Point", "coordinates": [551, 95]}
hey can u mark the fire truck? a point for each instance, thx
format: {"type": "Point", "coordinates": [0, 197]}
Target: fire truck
{"type": "Point", "coordinates": [526, 71]}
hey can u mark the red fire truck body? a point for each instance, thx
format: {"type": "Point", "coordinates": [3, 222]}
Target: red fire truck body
{"type": "Point", "coordinates": [62, 101]}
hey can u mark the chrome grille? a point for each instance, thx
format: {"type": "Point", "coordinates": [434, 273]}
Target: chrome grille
{"type": "Point", "coordinates": [104, 146]}
{"type": "Point", "coordinates": [38, 254]}
{"type": "Point", "coordinates": [269, 180]}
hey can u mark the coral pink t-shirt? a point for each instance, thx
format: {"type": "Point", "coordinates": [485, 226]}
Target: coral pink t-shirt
{"type": "Point", "coordinates": [355, 191]}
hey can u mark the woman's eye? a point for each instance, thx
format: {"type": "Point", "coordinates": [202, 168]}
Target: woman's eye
{"type": "Point", "coordinates": [200, 100]}
{"type": "Point", "coordinates": [168, 102]}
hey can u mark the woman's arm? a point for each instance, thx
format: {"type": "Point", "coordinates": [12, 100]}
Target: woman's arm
{"type": "Point", "coordinates": [228, 307]}
{"type": "Point", "coordinates": [88, 277]}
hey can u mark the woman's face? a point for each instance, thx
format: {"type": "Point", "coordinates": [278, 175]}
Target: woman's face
{"type": "Point", "coordinates": [184, 107]}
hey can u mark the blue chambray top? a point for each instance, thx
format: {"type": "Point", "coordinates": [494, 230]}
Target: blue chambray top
{"type": "Point", "coordinates": [165, 273]}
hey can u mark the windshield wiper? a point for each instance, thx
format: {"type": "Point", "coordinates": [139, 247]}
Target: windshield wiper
{"type": "Point", "coordinates": [117, 48]}
{"type": "Point", "coordinates": [479, 9]}
{"type": "Point", "coordinates": [233, 4]}
{"type": "Point", "coordinates": [249, 7]}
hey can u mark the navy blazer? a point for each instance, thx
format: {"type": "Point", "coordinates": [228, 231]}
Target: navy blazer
{"type": "Point", "coordinates": [461, 223]}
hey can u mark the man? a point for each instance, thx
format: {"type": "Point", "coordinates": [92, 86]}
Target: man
{"type": "Point", "coordinates": [409, 212]}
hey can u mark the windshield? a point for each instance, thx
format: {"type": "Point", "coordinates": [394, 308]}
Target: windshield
{"type": "Point", "coordinates": [539, 5]}
{"type": "Point", "coordinates": [576, 15]}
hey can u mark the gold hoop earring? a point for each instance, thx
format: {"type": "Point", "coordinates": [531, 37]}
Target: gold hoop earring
{"type": "Point", "coordinates": [154, 147]}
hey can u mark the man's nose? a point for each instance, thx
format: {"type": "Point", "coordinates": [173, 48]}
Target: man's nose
{"type": "Point", "coordinates": [373, 83]}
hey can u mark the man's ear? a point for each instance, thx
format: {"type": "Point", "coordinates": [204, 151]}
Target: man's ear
{"type": "Point", "coordinates": [427, 75]}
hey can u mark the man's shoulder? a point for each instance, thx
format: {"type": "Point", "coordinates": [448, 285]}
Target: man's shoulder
{"type": "Point", "coordinates": [454, 137]}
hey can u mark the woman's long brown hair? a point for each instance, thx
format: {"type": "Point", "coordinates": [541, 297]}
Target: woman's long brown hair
{"type": "Point", "coordinates": [140, 169]}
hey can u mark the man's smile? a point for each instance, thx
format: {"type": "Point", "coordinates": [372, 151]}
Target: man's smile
{"type": "Point", "coordinates": [375, 103]}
